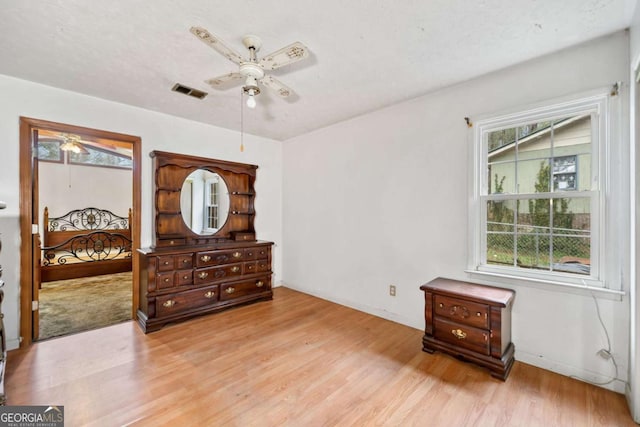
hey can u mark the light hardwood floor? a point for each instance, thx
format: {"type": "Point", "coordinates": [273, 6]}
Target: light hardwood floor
{"type": "Point", "coordinates": [294, 361]}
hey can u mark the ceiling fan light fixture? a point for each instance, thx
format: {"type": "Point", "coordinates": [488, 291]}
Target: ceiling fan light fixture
{"type": "Point", "coordinates": [251, 88]}
{"type": "Point", "coordinates": [251, 100]}
{"type": "Point", "coordinates": [73, 147]}
{"type": "Point", "coordinates": [72, 143]}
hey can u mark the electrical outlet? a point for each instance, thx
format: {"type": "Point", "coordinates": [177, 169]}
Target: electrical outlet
{"type": "Point", "coordinates": [392, 290]}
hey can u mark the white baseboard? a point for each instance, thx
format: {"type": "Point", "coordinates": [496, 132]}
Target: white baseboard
{"type": "Point", "coordinates": [394, 317]}
{"type": "Point", "coordinates": [595, 378]}
{"type": "Point", "coordinates": [13, 344]}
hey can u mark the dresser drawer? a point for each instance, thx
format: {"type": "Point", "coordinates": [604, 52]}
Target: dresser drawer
{"type": "Point", "coordinates": [465, 312]}
{"type": "Point", "coordinates": [204, 259]}
{"type": "Point", "coordinates": [165, 263]}
{"type": "Point", "coordinates": [187, 300]}
{"type": "Point", "coordinates": [183, 277]}
{"type": "Point", "coordinates": [211, 274]}
{"type": "Point", "coordinates": [235, 290]}
{"type": "Point", "coordinates": [250, 267]}
{"type": "Point", "coordinates": [251, 253]}
{"type": "Point", "coordinates": [263, 266]}
{"type": "Point", "coordinates": [164, 280]}
{"type": "Point", "coordinates": [263, 252]}
{"type": "Point", "coordinates": [183, 261]}
{"type": "Point", "coordinates": [173, 262]}
{"type": "Point", "coordinates": [474, 339]}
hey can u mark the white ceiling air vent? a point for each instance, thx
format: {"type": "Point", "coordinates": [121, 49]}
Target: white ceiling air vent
{"type": "Point", "coordinates": [189, 91]}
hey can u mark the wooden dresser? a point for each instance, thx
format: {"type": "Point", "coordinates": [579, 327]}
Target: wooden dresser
{"type": "Point", "coordinates": [471, 322]}
{"type": "Point", "coordinates": [176, 284]}
{"type": "Point", "coordinates": [205, 255]}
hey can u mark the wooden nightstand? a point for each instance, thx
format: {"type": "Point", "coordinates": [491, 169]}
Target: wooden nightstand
{"type": "Point", "coordinates": [471, 322]}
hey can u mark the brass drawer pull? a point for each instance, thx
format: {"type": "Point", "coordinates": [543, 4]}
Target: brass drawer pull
{"type": "Point", "coordinates": [441, 305]}
{"type": "Point", "coordinates": [185, 277]}
{"type": "Point", "coordinates": [259, 283]}
{"type": "Point", "coordinates": [169, 303]}
{"type": "Point", "coordinates": [203, 274]}
{"type": "Point", "coordinates": [230, 290]}
{"type": "Point", "coordinates": [459, 333]}
{"type": "Point", "coordinates": [237, 254]}
{"type": "Point", "coordinates": [209, 294]}
{"type": "Point", "coordinates": [235, 269]}
{"type": "Point", "coordinates": [166, 263]}
{"type": "Point", "coordinates": [184, 261]}
{"type": "Point", "coordinates": [249, 254]}
{"type": "Point", "coordinates": [166, 280]}
{"type": "Point", "coordinates": [478, 314]}
{"type": "Point", "coordinates": [205, 258]}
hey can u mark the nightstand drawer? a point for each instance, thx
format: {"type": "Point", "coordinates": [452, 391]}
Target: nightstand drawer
{"type": "Point", "coordinates": [465, 312]}
{"type": "Point", "coordinates": [468, 337]}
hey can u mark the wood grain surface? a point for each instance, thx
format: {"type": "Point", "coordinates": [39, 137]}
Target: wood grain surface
{"type": "Point", "coordinates": [293, 361]}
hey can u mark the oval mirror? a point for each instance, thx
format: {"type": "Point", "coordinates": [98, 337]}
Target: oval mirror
{"type": "Point", "coordinates": [204, 202]}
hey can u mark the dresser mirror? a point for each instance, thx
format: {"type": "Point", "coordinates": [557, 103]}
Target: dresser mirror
{"type": "Point", "coordinates": [204, 202]}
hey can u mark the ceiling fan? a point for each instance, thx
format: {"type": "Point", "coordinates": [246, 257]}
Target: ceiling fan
{"type": "Point", "coordinates": [252, 70]}
{"type": "Point", "coordinates": [73, 143]}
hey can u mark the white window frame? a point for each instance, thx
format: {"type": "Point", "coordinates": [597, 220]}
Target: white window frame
{"type": "Point", "coordinates": [208, 184]}
{"type": "Point", "coordinates": [599, 107]}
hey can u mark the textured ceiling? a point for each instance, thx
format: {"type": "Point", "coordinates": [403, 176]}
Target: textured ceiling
{"type": "Point", "coordinates": [365, 55]}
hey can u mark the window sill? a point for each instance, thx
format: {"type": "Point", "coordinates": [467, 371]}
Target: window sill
{"type": "Point", "coordinates": [550, 285]}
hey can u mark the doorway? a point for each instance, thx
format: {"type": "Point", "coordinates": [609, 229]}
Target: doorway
{"type": "Point", "coordinates": [104, 237]}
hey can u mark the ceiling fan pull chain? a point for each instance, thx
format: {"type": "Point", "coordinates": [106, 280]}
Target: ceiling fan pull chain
{"type": "Point", "coordinates": [241, 121]}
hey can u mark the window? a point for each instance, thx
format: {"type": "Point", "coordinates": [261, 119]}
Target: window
{"type": "Point", "coordinates": [49, 150]}
{"type": "Point", "coordinates": [538, 206]}
{"type": "Point", "coordinates": [100, 157]}
{"type": "Point", "coordinates": [211, 205]}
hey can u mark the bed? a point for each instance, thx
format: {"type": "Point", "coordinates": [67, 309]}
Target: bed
{"type": "Point", "coordinates": [83, 243]}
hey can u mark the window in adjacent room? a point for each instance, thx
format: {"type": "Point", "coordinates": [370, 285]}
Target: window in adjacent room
{"type": "Point", "coordinates": [49, 150]}
{"type": "Point", "coordinates": [538, 203]}
{"type": "Point", "coordinates": [101, 157]}
{"type": "Point", "coordinates": [212, 204]}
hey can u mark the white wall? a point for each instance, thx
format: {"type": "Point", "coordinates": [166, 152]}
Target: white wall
{"type": "Point", "coordinates": [64, 187]}
{"type": "Point", "coordinates": [633, 392]}
{"type": "Point", "coordinates": [383, 199]}
{"type": "Point", "coordinates": [158, 132]}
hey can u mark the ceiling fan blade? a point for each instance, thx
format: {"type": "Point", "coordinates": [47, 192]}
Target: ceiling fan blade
{"type": "Point", "coordinates": [285, 56]}
{"type": "Point", "coordinates": [225, 81]}
{"type": "Point", "coordinates": [277, 86]}
{"type": "Point", "coordinates": [217, 44]}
